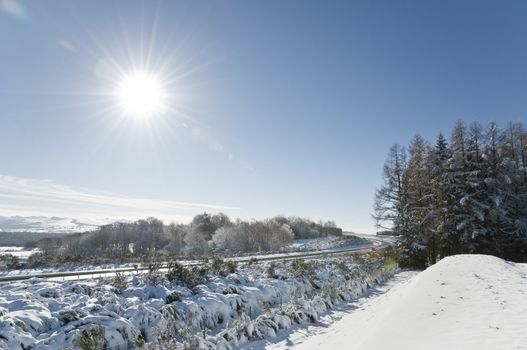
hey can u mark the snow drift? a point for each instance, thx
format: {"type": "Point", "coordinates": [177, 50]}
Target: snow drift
{"type": "Point", "coordinates": [463, 302]}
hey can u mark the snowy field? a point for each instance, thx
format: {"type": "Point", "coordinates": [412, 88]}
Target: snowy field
{"type": "Point", "coordinates": [324, 243]}
{"type": "Point", "coordinates": [19, 252]}
{"type": "Point", "coordinates": [463, 302]}
{"type": "Point", "coordinates": [215, 309]}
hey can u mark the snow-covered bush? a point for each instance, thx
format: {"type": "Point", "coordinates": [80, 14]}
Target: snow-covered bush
{"type": "Point", "coordinates": [189, 277]}
{"type": "Point", "coordinates": [271, 270]}
{"type": "Point", "coordinates": [120, 282]}
{"type": "Point", "coordinates": [92, 339]}
{"type": "Point", "coordinates": [222, 311]}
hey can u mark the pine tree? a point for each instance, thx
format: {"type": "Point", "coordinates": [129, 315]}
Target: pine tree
{"type": "Point", "coordinates": [441, 206]}
{"type": "Point", "coordinates": [421, 242]}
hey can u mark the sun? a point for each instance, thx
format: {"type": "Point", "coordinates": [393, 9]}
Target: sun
{"type": "Point", "coordinates": [141, 95]}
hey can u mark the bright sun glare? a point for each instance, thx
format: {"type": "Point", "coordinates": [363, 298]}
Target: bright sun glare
{"type": "Point", "coordinates": [141, 95]}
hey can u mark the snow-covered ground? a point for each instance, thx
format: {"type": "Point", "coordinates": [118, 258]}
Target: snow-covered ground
{"type": "Point", "coordinates": [463, 302]}
{"type": "Point", "coordinates": [324, 243]}
{"type": "Point", "coordinates": [19, 252]}
{"type": "Point", "coordinates": [230, 309]}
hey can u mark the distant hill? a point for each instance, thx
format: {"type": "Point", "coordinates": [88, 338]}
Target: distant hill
{"type": "Point", "coordinates": [25, 239]}
{"type": "Point", "coordinates": [44, 224]}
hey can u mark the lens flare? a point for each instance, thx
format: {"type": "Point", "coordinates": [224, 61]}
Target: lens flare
{"type": "Point", "coordinates": [14, 8]}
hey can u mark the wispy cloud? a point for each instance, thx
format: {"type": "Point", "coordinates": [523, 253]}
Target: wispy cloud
{"type": "Point", "coordinates": [24, 196]}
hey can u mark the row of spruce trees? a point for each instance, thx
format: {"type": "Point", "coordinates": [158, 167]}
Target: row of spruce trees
{"type": "Point", "coordinates": [467, 194]}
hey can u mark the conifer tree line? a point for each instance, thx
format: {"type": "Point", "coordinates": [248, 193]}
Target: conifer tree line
{"type": "Point", "coordinates": [467, 194]}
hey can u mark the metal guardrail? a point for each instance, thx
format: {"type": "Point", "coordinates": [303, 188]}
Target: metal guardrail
{"type": "Point", "coordinates": [311, 255]}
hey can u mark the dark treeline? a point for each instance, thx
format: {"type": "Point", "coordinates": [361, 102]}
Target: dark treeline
{"type": "Point", "coordinates": [465, 195]}
{"type": "Point", "coordinates": [205, 234]}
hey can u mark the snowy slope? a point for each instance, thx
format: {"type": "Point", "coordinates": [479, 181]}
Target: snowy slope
{"type": "Point", "coordinates": [48, 224]}
{"type": "Point", "coordinates": [463, 302]}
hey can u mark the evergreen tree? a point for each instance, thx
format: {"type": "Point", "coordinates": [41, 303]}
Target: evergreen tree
{"type": "Point", "coordinates": [441, 203]}
{"type": "Point", "coordinates": [421, 242]}
{"type": "Point", "coordinates": [470, 197]}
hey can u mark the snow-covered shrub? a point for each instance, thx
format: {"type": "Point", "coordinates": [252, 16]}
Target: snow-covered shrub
{"type": "Point", "coordinates": [152, 274]}
{"type": "Point", "coordinates": [300, 267]}
{"type": "Point", "coordinates": [173, 297]}
{"type": "Point", "coordinates": [13, 262]}
{"type": "Point", "coordinates": [231, 266]}
{"type": "Point", "coordinates": [271, 270]}
{"type": "Point", "coordinates": [186, 276]}
{"type": "Point", "coordinates": [92, 339]}
{"type": "Point", "coordinates": [223, 311]}
{"type": "Point", "coordinates": [120, 282]}
{"type": "Point", "coordinates": [216, 264]}
{"type": "Point", "coordinates": [252, 261]}
{"type": "Point", "coordinates": [68, 315]}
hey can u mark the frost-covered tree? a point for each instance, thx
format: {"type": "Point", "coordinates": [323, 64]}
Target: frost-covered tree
{"type": "Point", "coordinates": [177, 233]}
{"type": "Point", "coordinates": [391, 210]}
{"type": "Point", "coordinates": [441, 201]}
{"type": "Point", "coordinates": [466, 197]}
{"type": "Point", "coordinates": [420, 241]}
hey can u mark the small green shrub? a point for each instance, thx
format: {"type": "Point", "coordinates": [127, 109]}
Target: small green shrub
{"type": "Point", "coordinates": [21, 325]}
{"type": "Point", "coordinates": [300, 268]}
{"type": "Point", "coordinates": [14, 263]}
{"type": "Point", "coordinates": [139, 342]}
{"type": "Point", "coordinates": [68, 315]}
{"type": "Point", "coordinates": [231, 266]}
{"type": "Point", "coordinates": [391, 257]}
{"type": "Point", "coordinates": [173, 297]}
{"type": "Point", "coordinates": [179, 273]}
{"type": "Point", "coordinates": [119, 282]}
{"type": "Point", "coordinates": [217, 264]}
{"type": "Point", "coordinates": [92, 339]}
{"type": "Point", "coordinates": [271, 270]}
{"type": "Point", "coordinates": [252, 261]}
{"type": "Point", "coordinates": [153, 272]}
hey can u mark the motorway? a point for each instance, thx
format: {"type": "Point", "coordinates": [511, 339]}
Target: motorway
{"type": "Point", "coordinates": [375, 244]}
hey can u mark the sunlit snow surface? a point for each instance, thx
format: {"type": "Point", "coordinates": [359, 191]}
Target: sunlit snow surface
{"type": "Point", "coordinates": [463, 302]}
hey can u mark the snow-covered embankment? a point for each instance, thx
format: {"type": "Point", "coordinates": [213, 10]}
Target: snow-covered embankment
{"type": "Point", "coordinates": [463, 302]}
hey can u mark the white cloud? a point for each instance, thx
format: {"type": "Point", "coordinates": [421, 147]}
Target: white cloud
{"type": "Point", "coordinates": [24, 196]}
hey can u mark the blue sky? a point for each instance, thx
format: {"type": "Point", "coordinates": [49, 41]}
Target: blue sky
{"type": "Point", "coordinates": [276, 107]}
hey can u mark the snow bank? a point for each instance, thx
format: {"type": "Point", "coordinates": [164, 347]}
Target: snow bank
{"type": "Point", "coordinates": [463, 302]}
